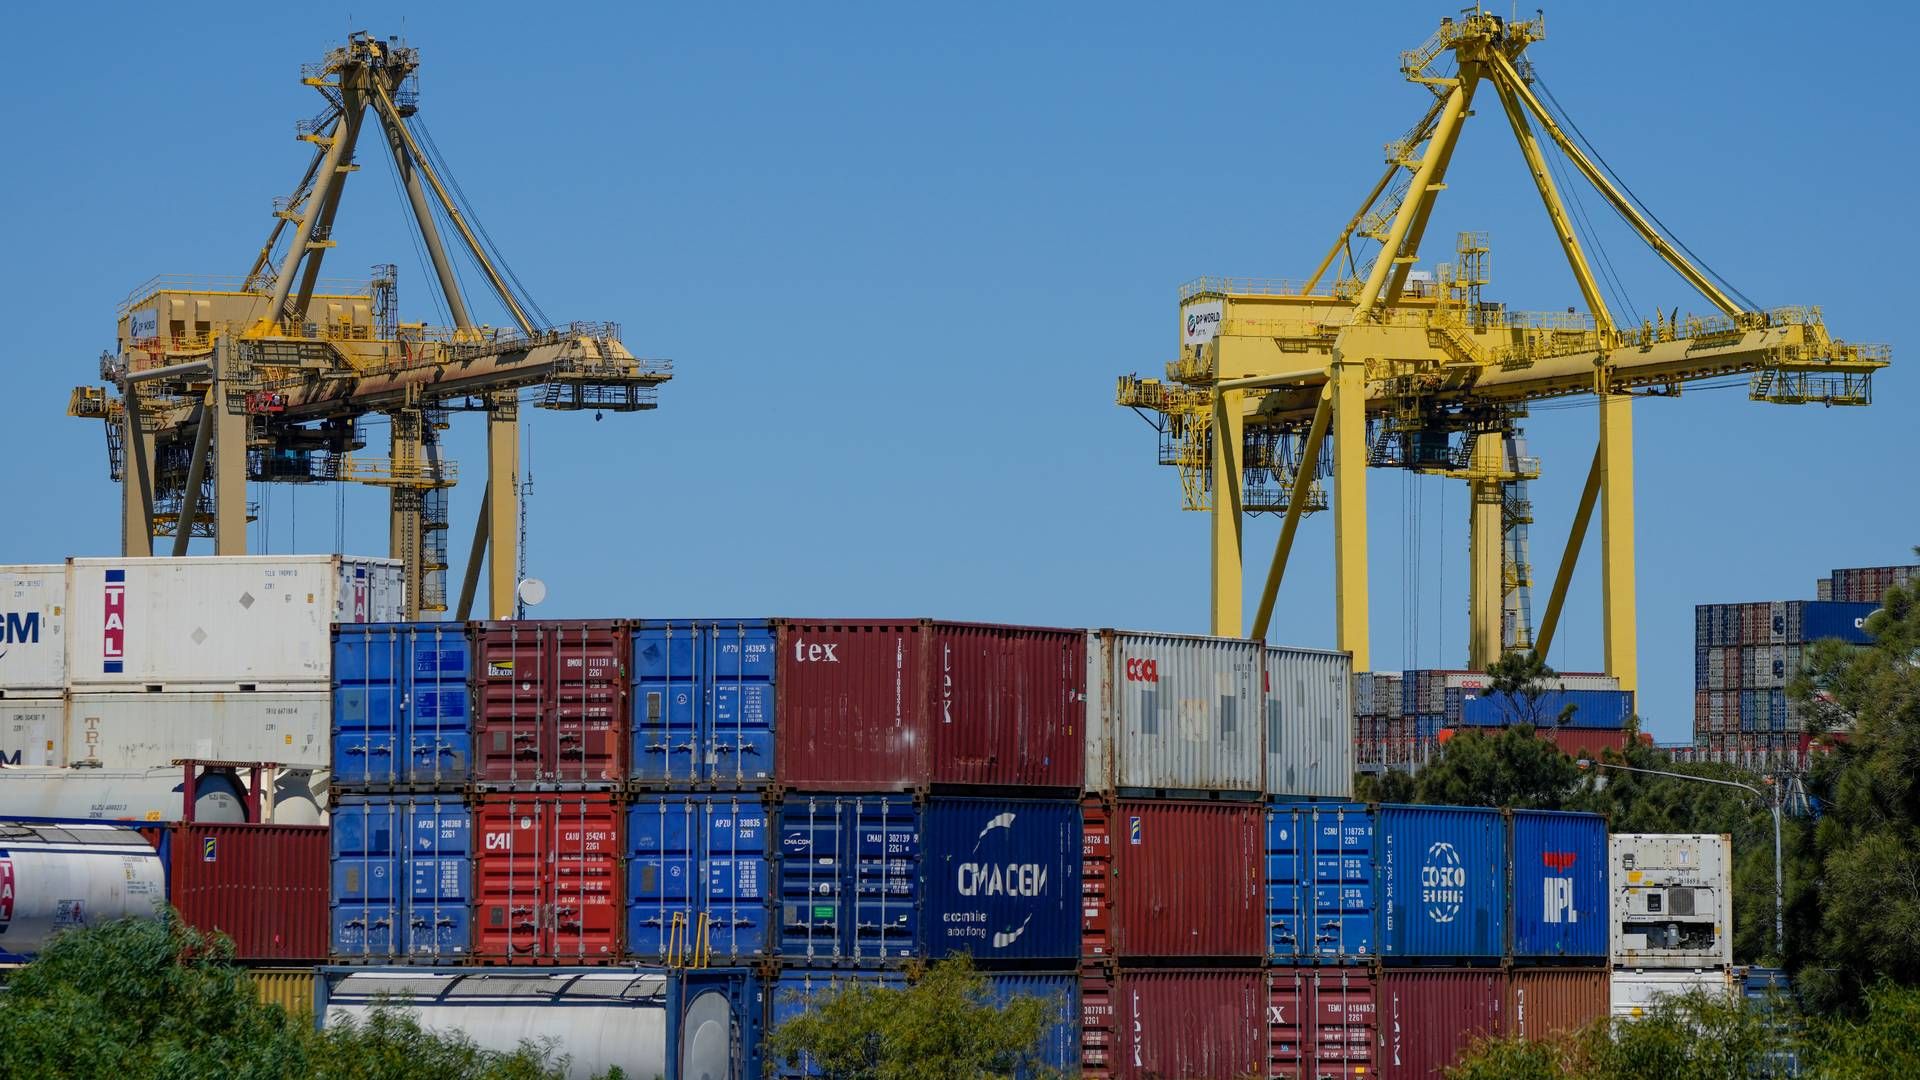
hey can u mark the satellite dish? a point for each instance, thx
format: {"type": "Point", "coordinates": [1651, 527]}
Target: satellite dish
{"type": "Point", "coordinates": [531, 592]}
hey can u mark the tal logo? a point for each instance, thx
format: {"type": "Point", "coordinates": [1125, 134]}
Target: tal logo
{"type": "Point", "coordinates": [6, 892]}
{"type": "Point", "coordinates": [113, 613]}
{"type": "Point", "coordinates": [1143, 670]}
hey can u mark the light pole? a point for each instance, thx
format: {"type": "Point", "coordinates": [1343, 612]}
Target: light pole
{"type": "Point", "coordinates": [1779, 884]}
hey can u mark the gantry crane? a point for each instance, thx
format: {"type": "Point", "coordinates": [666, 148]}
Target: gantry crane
{"type": "Point", "coordinates": [1419, 372]}
{"type": "Point", "coordinates": [267, 376]}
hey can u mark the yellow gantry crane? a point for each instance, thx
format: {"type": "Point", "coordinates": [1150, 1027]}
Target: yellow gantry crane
{"type": "Point", "coordinates": [1405, 370]}
{"type": "Point", "coordinates": [267, 376]}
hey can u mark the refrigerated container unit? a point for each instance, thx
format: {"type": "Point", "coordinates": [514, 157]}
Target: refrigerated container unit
{"type": "Point", "coordinates": [1559, 887]}
{"type": "Point", "coordinates": [1441, 884]}
{"type": "Point", "coordinates": [1671, 900]}
{"type": "Point", "coordinates": [139, 730]}
{"type": "Point", "coordinates": [698, 885]}
{"type": "Point", "coordinates": [1310, 726]}
{"type": "Point", "coordinates": [33, 623]}
{"type": "Point", "coordinates": [1634, 992]}
{"type": "Point", "coordinates": [546, 878]}
{"type": "Point", "coordinates": [33, 731]}
{"type": "Point", "coordinates": [703, 703]}
{"type": "Point", "coordinates": [402, 705]}
{"type": "Point", "coordinates": [1173, 880]}
{"type": "Point", "coordinates": [402, 879]}
{"type": "Point", "coordinates": [1201, 1023]}
{"type": "Point", "coordinates": [1173, 715]}
{"type": "Point", "coordinates": [1319, 883]}
{"type": "Point", "coordinates": [550, 704]}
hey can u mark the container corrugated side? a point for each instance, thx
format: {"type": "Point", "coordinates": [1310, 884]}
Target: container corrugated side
{"type": "Point", "coordinates": [1007, 705]}
{"type": "Point", "coordinates": [1671, 900]}
{"type": "Point", "coordinates": [1545, 1003]}
{"type": "Point", "coordinates": [33, 624]}
{"type": "Point", "coordinates": [550, 702]}
{"type": "Point", "coordinates": [401, 704]}
{"type": "Point", "coordinates": [1173, 879]}
{"type": "Point", "coordinates": [1635, 992]}
{"type": "Point", "coordinates": [1060, 1043]}
{"type": "Point", "coordinates": [1560, 895]}
{"type": "Point", "coordinates": [1442, 882]}
{"type": "Point", "coordinates": [1834, 619]}
{"type": "Point", "coordinates": [697, 878]}
{"type": "Point", "coordinates": [1321, 1023]}
{"type": "Point", "coordinates": [33, 731]}
{"type": "Point", "coordinates": [1001, 879]}
{"type": "Point", "coordinates": [289, 988]}
{"type": "Point", "coordinates": [797, 991]}
{"type": "Point", "coordinates": [1191, 1023]}
{"type": "Point", "coordinates": [851, 706]}
{"type": "Point", "coordinates": [703, 702]}
{"type": "Point", "coordinates": [1309, 711]}
{"type": "Point", "coordinates": [264, 886]}
{"type": "Point", "coordinates": [1320, 883]}
{"type": "Point", "coordinates": [547, 878]}
{"type": "Point", "coordinates": [849, 878]}
{"type": "Point", "coordinates": [1174, 713]}
{"type": "Point", "coordinates": [1429, 1016]}
{"type": "Point", "coordinates": [1605, 709]}
{"type": "Point", "coordinates": [139, 731]}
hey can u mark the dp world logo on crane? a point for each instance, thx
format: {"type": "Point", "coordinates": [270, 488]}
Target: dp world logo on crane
{"type": "Point", "coordinates": [1443, 882]}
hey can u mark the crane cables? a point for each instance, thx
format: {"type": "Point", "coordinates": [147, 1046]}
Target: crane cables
{"type": "Point", "coordinates": [519, 288]}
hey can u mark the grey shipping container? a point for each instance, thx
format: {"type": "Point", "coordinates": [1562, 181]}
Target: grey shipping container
{"type": "Point", "coordinates": [1309, 712]}
{"type": "Point", "coordinates": [1169, 712]}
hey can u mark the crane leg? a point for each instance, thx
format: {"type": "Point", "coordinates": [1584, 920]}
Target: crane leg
{"type": "Point", "coordinates": [1486, 546]}
{"type": "Point", "coordinates": [1350, 508]}
{"type": "Point", "coordinates": [1576, 537]}
{"type": "Point", "coordinates": [229, 461]}
{"type": "Point", "coordinates": [196, 474]}
{"type": "Point", "coordinates": [1303, 475]}
{"type": "Point", "coordinates": [403, 525]}
{"type": "Point", "coordinates": [1616, 538]}
{"type": "Point", "coordinates": [136, 484]}
{"type": "Point", "coordinates": [503, 502]}
{"type": "Point", "coordinates": [403, 164]}
{"type": "Point", "coordinates": [1229, 423]}
{"type": "Point", "coordinates": [470, 581]}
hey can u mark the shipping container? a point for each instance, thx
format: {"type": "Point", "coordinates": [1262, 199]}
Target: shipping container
{"type": "Point", "coordinates": [1606, 709]}
{"type": "Point", "coordinates": [703, 702]}
{"type": "Point", "coordinates": [1173, 879]}
{"type": "Point", "coordinates": [140, 730]}
{"type": "Point", "coordinates": [1428, 1017]}
{"type": "Point", "coordinates": [1546, 1003]}
{"type": "Point", "coordinates": [550, 703]}
{"type": "Point", "coordinates": [1320, 883]}
{"type": "Point", "coordinates": [547, 878]}
{"type": "Point", "coordinates": [894, 706]}
{"type": "Point", "coordinates": [294, 796]}
{"type": "Point", "coordinates": [798, 991]}
{"type": "Point", "coordinates": [1559, 887]}
{"type": "Point", "coordinates": [33, 624]}
{"type": "Point", "coordinates": [1309, 711]}
{"type": "Point", "coordinates": [849, 877]}
{"type": "Point", "coordinates": [68, 875]}
{"type": "Point", "coordinates": [245, 622]}
{"type": "Point", "coordinates": [1584, 742]}
{"type": "Point", "coordinates": [402, 704]}
{"type": "Point", "coordinates": [1174, 714]}
{"type": "Point", "coordinates": [672, 1024]}
{"type": "Point", "coordinates": [697, 878]}
{"type": "Point", "coordinates": [1671, 900]}
{"type": "Point", "coordinates": [1562, 680]}
{"type": "Point", "coordinates": [1060, 1043]}
{"type": "Point", "coordinates": [1199, 1024]}
{"type": "Point", "coordinates": [402, 879]}
{"type": "Point", "coordinates": [290, 988]}
{"type": "Point", "coordinates": [263, 886]}
{"type": "Point", "coordinates": [33, 731]}
{"type": "Point", "coordinates": [1846, 621]}
{"type": "Point", "coordinates": [1442, 882]}
{"type": "Point", "coordinates": [1321, 1023]}
{"type": "Point", "coordinates": [1637, 991]}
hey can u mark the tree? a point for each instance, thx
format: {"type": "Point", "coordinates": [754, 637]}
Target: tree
{"type": "Point", "coordinates": [1521, 679]}
{"type": "Point", "coordinates": [945, 1026]}
{"type": "Point", "coordinates": [1690, 1037]}
{"type": "Point", "coordinates": [1510, 767]}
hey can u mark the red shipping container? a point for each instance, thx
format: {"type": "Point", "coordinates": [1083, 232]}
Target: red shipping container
{"type": "Point", "coordinates": [551, 702]}
{"type": "Point", "coordinates": [264, 886]}
{"type": "Point", "coordinates": [1172, 879]}
{"type": "Point", "coordinates": [1545, 1002]}
{"type": "Point", "coordinates": [1321, 1023]}
{"type": "Point", "coordinates": [547, 878]}
{"type": "Point", "coordinates": [891, 706]}
{"type": "Point", "coordinates": [1192, 1024]}
{"type": "Point", "coordinates": [1428, 1017]}
{"type": "Point", "coordinates": [1585, 742]}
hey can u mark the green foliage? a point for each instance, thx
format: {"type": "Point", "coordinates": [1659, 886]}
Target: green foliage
{"type": "Point", "coordinates": [1509, 767]}
{"type": "Point", "coordinates": [1883, 1045]}
{"type": "Point", "coordinates": [1524, 677]}
{"type": "Point", "coordinates": [1691, 1037]}
{"type": "Point", "coordinates": [943, 1027]}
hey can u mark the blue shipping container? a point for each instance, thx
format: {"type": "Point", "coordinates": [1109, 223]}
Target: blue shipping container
{"type": "Point", "coordinates": [402, 713]}
{"type": "Point", "coordinates": [1606, 709]}
{"type": "Point", "coordinates": [1836, 619]}
{"type": "Point", "coordinates": [1559, 886]}
{"type": "Point", "coordinates": [849, 877]}
{"type": "Point", "coordinates": [703, 702]}
{"type": "Point", "coordinates": [1060, 1046]}
{"type": "Point", "coordinates": [1002, 878]}
{"type": "Point", "coordinates": [1701, 666]}
{"type": "Point", "coordinates": [796, 993]}
{"type": "Point", "coordinates": [402, 878]}
{"type": "Point", "coordinates": [1320, 883]}
{"type": "Point", "coordinates": [1442, 873]}
{"type": "Point", "coordinates": [697, 877]}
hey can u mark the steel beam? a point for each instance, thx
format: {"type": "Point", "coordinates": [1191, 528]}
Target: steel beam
{"type": "Point", "coordinates": [1423, 203]}
{"type": "Point", "coordinates": [403, 523]}
{"type": "Point", "coordinates": [503, 503]}
{"type": "Point", "coordinates": [1303, 476]}
{"type": "Point", "coordinates": [470, 583]}
{"type": "Point", "coordinates": [1350, 509]}
{"type": "Point", "coordinates": [1229, 426]}
{"type": "Point", "coordinates": [1451, 113]}
{"type": "Point", "coordinates": [136, 481]}
{"type": "Point", "coordinates": [1486, 548]}
{"type": "Point", "coordinates": [1576, 536]}
{"type": "Point", "coordinates": [229, 460]}
{"type": "Point", "coordinates": [196, 474]}
{"type": "Point", "coordinates": [328, 175]}
{"type": "Point", "coordinates": [1618, 587]}
{"type": "Point", "coordinates": [353, 115]}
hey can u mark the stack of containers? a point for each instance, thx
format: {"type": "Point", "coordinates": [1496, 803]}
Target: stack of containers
{"type": "Point", "coordinates": [1399, 719]}
{"type": "Point", "coordinates": [1865, 584]}
{"type": "Point", "coordinates": [1381, 738]}
{"type": "Point", "coordinates": [1670, 917]}
{"type": "Point", "coordinates": [1745, 657]}
{"type": "Point", "coordinates": [1580, 720]}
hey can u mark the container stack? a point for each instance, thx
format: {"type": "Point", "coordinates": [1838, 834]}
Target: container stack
{"type": "Point", "coordinates": [1671, 917]}
{"type": "Point", "coordinates": [1401, 720]}
{"type": "Point", "coordinates": [1745, 657]}
{"type": "Point", "coordinates": [1864, 584]}
{"type": "Point", "coordinates": [1382, 737]}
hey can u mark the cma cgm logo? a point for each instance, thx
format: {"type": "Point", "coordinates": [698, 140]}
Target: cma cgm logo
{"type": "Point", "coordinates": [1142, 670]}
{"type": "Point", "coordinates": [1558, 894]}
{"type": "Point", "coordinates": [113, 627]}
{"type": "Point", "coordinates": [1443, 883]}
{"type": "Point", "coordinates": [985, 876]}
{"type": "Point", "coordinates": [19, 628]}
{"type": "Point", "coordinates": [815, 653]}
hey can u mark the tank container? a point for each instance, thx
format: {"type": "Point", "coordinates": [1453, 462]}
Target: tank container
{"type": "Point", "coordinates": [69, 875]}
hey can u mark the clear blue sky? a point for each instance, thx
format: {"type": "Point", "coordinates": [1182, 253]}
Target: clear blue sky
{"type": "Point", "coordinates": [899, 255]}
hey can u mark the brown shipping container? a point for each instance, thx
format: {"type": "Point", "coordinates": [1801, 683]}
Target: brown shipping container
{"type": "Point", "coordinates": [1583, 742]}
{"type": "Point", "coordinates": [264, 886]}
{"type": "Point", "coordinates": [891, 706]}
{"type": "Point", "coordinates": [551, 702]}
{"type": "Point", "coordinates": [1192, 1024]}
{"type": "Point", "coordinates": [1172, 879]}
{"type": "Point", "coordinates": [1428, 1017]}
{"type": "Point", "coordinates": [1320, 1023]}
{"type": "Point", "coordinates": [1545, 1002]}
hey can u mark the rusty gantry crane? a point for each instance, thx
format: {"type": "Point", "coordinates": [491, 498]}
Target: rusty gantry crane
{"type": "Point", "coordinates": [1404, 371]}
{"type": "Point", "coordinates": [268, 376]}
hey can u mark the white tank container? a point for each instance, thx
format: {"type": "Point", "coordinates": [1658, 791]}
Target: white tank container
{"type": "Point", "coordinates": [218, 622]}
{"type": "Point", "coordinates": [1172, 712]}
{"type": "Point", "coordinates": [63, 877]}
{"type": "Point", "coordinates": [33, 621]}
{"type": "Point", "coordinates": [1672, 900]}
{"type": "Point", "coordinates": [1636, 991]}
{"type": "Point", "coordinates": [33, 731]}
{"type": "Point", "coordinates": [110, 795]}
{"type": "Point", "coordinates": [1309, 714]}
{"type": "Point", "coordinates": [139, 731]}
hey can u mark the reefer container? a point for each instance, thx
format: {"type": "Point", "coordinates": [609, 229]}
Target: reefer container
{"type": "Point", "coordinates": [1429, 1016]}
{"type": "Point", "coordinates": [703, 702]}
{"type": "Point", "coordinates": [149, 795]}
{"type": "Point", "coordinates": [546, 878]}
{"type": "Point", "coordinates": [1321, 1023]}
{"type": "Point", "coordinates": [1171, 879]}
{"type": "Point", "coordinates": [1174, 714]}
{"type": "Point", "coordinates": [1671, 900]}
{"type": "Point", "coordinates": [264, 886]}
{"type": "Point", "coordinates": [678, 1025]}
{"type": "Point", "coordinates": [890, 706]}
{"type": "Point", "coordinates": [1543, 1002]}
{"type": "Point", "coordinates": [1319, 882]}
{"type": "Point", "coordinates": [62, 876]}
{"type": "Point", "coordinates": [140, 731]}
{"type": "Point", "coordinates": [218, 622]}
{"type": "Point", "coordinates": [1152, 1022]}
{"type": "Point", "coordinates": [33, 623]}
{"type": "Point", "coordinates": [1309, 711]}
{"type": "Point", "coordinates": [401, 704]}
{"type": "Point", "coordinates": [402, 879]}
{"type": "Point", "coordinates": [1636, 991]}
{"type": "Point", "coordinates": [1442, 882]}
{"type": "Point", "coordinates": [551, 703]}
{"type": "Point", "coordinates": [33, 731]}
{"type": "Point", "coordinates": [1559, 887]}
{"type": "Point", "coordinates": [1591, 709]}
{"type": "Point", "coordinates": [697, 883]}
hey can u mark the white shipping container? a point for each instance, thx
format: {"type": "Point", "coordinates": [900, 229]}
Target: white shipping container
{"type": "Point", "coordinates": [1636, 991]}
{"type": "Point", "coordinates": [1478, 680]}
{"type": "Point", "coordinates": [218, 623]}
{"type": "Point", "coordinates": [1309, 710]}
{"type": "Point", "coordinates": [33, 731]}
{"type": "Point", "coordinates": [1672, 900]}
{"type": "Point", "coordinates": [1169, 711]}
{"type": "Point", "coordinates": [33, 620]}
{"type": "Point", "coordinates": [138, 731]}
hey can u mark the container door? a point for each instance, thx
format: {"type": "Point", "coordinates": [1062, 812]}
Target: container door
{"type": "Point", "coordinates": [507, 880]}
{"type": "Point", "coordinates": [738, 732]}
{"type": "Point", "coordinates": [1343, 897]}
{"type": "Point", "coordinates": [365, 836]}
{"type": "Point", "coordinates": [439, 713]}
{"type": "Point", "coordinates": [666, 700]}
{"type": "Point", "coordinates": [440, 879]}
{"type": "Point", "coordinates": [812, 876]}
{"type": "Point", "coordinates": [735, 832]}
{"type": "Point", "coordinates": [1288, 932]}
{"type": "Point", "coordinates": [366, 705]}
{"type": "Point", "coordinates": [1289, 1023]}
{"type": "Point", "coordinates": [1343, 1023]}
{"type": "Point", "coordinates": [584, 913]}
{"type": "Point", "coordinates": [588, 704]}
{"type": "Point", "coordinates": [1096, 866]}
{"type": "Point", "coordinates": [886, 844]}
{"type": "Point", "coordinates": [512, 670]}
{"type": "Point", "coordinates": [662, 837]}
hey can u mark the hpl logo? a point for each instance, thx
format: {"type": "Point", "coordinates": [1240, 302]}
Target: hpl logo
{"type": "Point", "coordinates": [1557, 897]}
{"type": "Point", "coordinates": [113, 643]}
